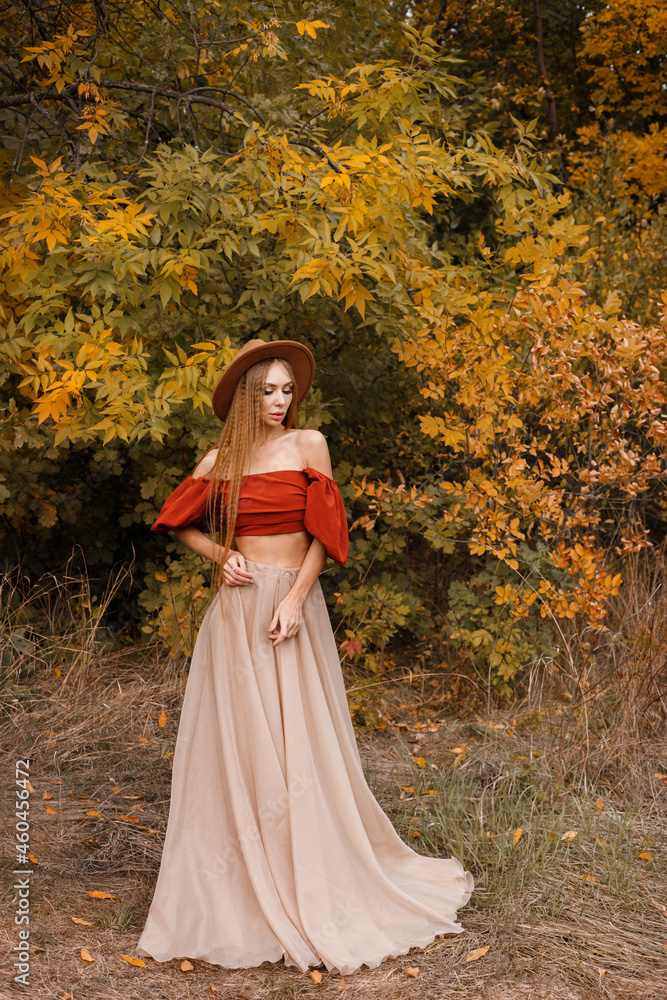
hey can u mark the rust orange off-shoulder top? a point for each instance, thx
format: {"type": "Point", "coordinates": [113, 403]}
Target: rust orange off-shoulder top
{"type": "Point", "coordinates": [270, 503]}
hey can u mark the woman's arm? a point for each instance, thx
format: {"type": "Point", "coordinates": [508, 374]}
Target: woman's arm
{"type": "Point", "coordinates": [287, 619]}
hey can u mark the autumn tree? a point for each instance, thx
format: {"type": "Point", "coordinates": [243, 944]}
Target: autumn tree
{"type": "Point", "coordinates": [182, 179]}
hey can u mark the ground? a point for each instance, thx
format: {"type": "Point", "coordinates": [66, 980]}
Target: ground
{"type": "Point", "coordinates": [564, 834]}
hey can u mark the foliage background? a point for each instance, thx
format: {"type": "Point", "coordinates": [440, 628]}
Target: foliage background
{"type": "Point", "coordinates": [459, 207]}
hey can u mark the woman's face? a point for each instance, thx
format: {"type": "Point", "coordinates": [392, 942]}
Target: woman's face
{"type": "Point", "coordinates": [277, 395]}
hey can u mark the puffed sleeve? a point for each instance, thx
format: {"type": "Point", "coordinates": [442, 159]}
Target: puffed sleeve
{"type": "Point", "coordinates": [325, 516]}
{"type": "Point", "coordinates": [185, 506]}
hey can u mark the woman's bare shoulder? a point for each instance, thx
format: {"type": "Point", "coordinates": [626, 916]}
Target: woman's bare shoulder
{"type": "Point", "coordinates": [314, 450]}
{"type": "Point", "coordinates": [206, 464]}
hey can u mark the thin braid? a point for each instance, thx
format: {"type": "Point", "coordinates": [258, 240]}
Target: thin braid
{"type": "Point", "coordinates": [243, 430]}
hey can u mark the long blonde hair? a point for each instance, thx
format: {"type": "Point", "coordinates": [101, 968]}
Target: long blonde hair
{"type": "Point", "coordinates": [243, 430]}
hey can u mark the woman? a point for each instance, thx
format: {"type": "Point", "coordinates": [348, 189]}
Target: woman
{"type": "Point", "coordinates": [275, 845]}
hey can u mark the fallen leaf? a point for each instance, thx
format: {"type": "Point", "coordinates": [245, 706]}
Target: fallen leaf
{"type": "Point", "coordinates": [315, 976]}
{"type": "Point", "coordinates": [86, 956]}
{"type": "Point", "coordinates": [98, 894]}
{"type": "Point", "coordinates": [342, 985]}
{"type": "Point", "coordinates": [133, 796]}
{"type": "Point", "coordinates": [603, 972]}
{"type": "Point", "coordinates": [599, 804]}
{"type": "Point", "coordinates": [46, 796]}
{"type": "Point", "coordinates": [129, 819]}
{"type": "Point", "coordinates": [83, 923]}
{"type": "Point", "coordinates": [142, 739]}
{"type": "Point", "coordinates": [94, 812]}
{"type": "Point", "coordinates": [569, 835]}
{"type": "Point", "coordinates": [414, 971]}
{"type": "Point", "coordinates": [646, 856]}
{"type": "Point", "coordinates": [472, 956]}
{"type": "Point", "coordinates": [214, 990]}
{"type": "Point", "coordinates": [516, 836]}
{"type": "Point", "coordinates": [33, 859]}
{"type": "Point", "coordinates": [420, 760]}
{"type": "Point", "coordinates": [137, 962]}
{"type": "Point", "coordinates": [29, 787]}
{"type": "Point", "coordinates": [186, 966]}
{"type": "Point", "coordinates": [660, 777]}
{"type": "Point", "coordinates": [588, 878]}
{"type": "Point", "coordinates": [58, 673]}
{"type": "Point", "coordinates": [408, 788]}
{"type": "Point", "coordinates": [48, 809]}
{"type": "Point", "coordinates": [162, 721]}
{"type": "Point", "coordinates": [602, 843]}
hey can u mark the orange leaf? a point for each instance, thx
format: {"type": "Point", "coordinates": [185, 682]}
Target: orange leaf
{"type": "Point", "coordinates": [137, 962]}
{"type": "Point", "coordinates": [98, 894]}
{"type": "Point", "coordinates": [94, 812]}
{"type": "Point", "coordinates": [315, 976]}
{"type": "Point", "coordinates": [162, 721]}
{"type": "Point", "coordinates": [46, 797]}
{"type": "Point", "coordinates": [516, 836]}
{"type": "Point", "coordinates": [48, 809]}
{"type": "Point", "coordinates": [86, 956]}
{"type": "Point", "coordinates": [588, 878]}
{"type": "Point", "coordinates": [646, 856]}
{"type": "Point", "coordinates": [599, 804]}
{"type": "Point", "coordinates": [142, 739]}
{"type": "Point", "coordinates": [414, 971]}
{"type": "Point", "coordinates": [214, 991]}
{"type": "Point", "coordinates": [186, 966]}
{"type": "Point", "coordinates": [129, 819]}
{"type": "Point", "coordinates": [83, 923]}
{"type": "Point", "coordinates": [472, 956]}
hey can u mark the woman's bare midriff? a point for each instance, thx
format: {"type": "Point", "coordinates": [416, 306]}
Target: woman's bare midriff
{"type": "Point", "coordinates": [275, 550]}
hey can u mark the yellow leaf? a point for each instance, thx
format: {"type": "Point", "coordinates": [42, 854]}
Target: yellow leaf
{"type": "Point", "coordinates": [315, 976]}
{"type": "Point", "coordinates": [33, 859]}
{"type": "Point", "coordinates": [98, 894]}
{"type": "Point", "coordinates": [94, 812]}
{"type": "Point", "coordinates": [137, 962]}
{"type": "Point", "coordinates": [516, 836]}
{"type": "Point", "coordinates": [162, 721]}
{"type": "Point", "coordinates": [162, 577]}
{"type": "Point", "coordinates": [599, 804]}
{"type": "Point", "coordinates": [186, 966]}
{"type": "Point", "coordinates": [83, 923]}
{"type": "Point", "coordinates": [588, 878]}
{"type": "Point", "coordinates": [472, 956]}
{"type": "Point", "coordinates": [646, 856]}
{"type": "Point", "coordinates": [570, 835]}
{"type": "Point", "coordinates": [85, 955]}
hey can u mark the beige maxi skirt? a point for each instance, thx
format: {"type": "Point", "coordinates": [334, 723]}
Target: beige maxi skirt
{"type": "Point", "coordinates": [275, 845]}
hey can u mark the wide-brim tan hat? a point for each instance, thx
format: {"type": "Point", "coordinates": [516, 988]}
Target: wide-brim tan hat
{"type": "Point", "coordinates": [298, 355]}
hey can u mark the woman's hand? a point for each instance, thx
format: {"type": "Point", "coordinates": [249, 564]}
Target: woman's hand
{"type": "Point", "coordinates": [287, 620]}
{"type": "Point", "coordinates": [234, 571]}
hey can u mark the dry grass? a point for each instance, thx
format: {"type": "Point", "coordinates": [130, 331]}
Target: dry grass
{"type": "Point", "coordinates": [574, 918]}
